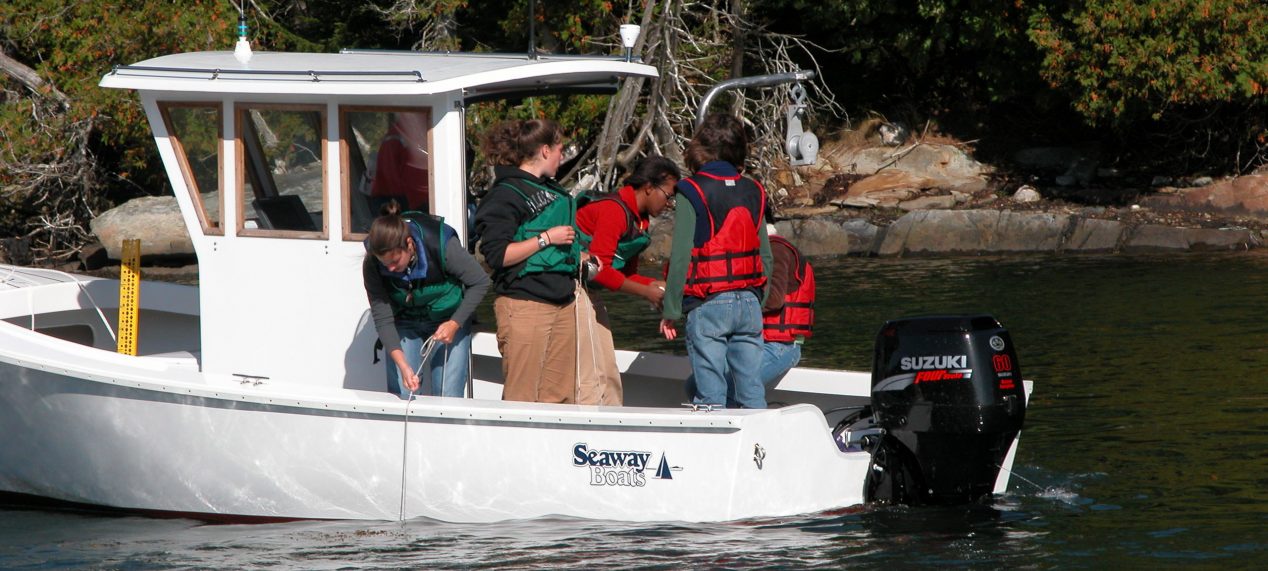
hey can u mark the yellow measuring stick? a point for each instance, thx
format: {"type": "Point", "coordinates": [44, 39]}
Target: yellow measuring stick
{"type": "Point", "coordinates": [129, 295]}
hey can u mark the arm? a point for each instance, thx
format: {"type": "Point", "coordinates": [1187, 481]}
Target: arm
{"type": "Point", "coordinates": [779, 282]}
{"type": "Point", "coordinates": [463, 266]}
{"type": "Point", "coordinates": [517, 252]}
{"type": "Point", "coordinates": [498, 218]}
{"type": "Point", "coordinates": [609, 223]}
{"type": "Point", "coordinates": [679, 259]}
{"type": "Point", "coordinates": [385, 321]}
{"type": "Point", "coordinates": [768, 259]}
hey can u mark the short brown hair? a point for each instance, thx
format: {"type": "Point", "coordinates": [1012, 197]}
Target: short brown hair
{"type": "Point", "coordinates": [513, 142]}
{"type": "Point", "coordinates": [720, 137]}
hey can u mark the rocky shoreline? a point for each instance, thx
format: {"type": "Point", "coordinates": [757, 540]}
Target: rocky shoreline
{"type": "Point", "coordinates": [924, 199]}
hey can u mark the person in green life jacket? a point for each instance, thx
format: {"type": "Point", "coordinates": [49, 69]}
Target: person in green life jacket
{"type": "Point", "coordinates": [528, 238]}
{"type": "Point", "coordinates": [421, 283]}
{"type": "Point", "coordinates": [613, 229]}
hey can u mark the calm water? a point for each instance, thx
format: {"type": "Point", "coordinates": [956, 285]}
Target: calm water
{"type": "Point", "coordinates": [1146, 445]}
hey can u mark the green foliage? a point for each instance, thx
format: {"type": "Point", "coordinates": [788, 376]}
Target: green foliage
{"type": "Point", "coordinates": [1169, 73]}
{"type": "Point", "coordinates": [1121, 59]}
{"type": "Point", "coordinates": [72, 44]}
{"type": "Point", "coordinates": [923, 57]}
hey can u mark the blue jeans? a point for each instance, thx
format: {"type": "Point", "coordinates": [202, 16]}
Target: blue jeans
{"type": "Point", "coordinates": [724, 342]}
{"type": "Point", "coordinates": [447, 369]}
{"type": "Point", "coordinates": [777, 360]}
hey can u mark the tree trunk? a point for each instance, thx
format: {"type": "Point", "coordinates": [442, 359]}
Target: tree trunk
{"type": "Point", "coordinates": [30, 78]}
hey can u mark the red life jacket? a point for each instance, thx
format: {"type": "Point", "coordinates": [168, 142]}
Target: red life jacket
{"type": "Point", "coordinates": [731, 258]}
{"type": "Point", "coordinates": [797, 317]}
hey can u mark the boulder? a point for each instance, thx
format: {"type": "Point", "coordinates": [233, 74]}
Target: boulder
{"type": "Point", "coordinates": [1027, 193]}
{"type": "Point", "coordinates": [1151, 237]}
{"type": "Point", "coordinates": [888, 181]}
{"type": "Point", "coordinates": [1093, 235]}
{"type": "Point", "coordinates": [939, 231]}
{"type": "Point", "coordinates": [973, 231]}
{"type": "Point", "coordinates": [1242, 194]}
{"type": "Point", "coordinates": [916, 167]}
{"type": "Point", "coordinates": [155, 220]}
{"type": "Point", "coordinates": [1028, 232]}
{"type": "Point", "coordinates": [828, 237]}
{"type": "Point", "coordinates": [1221, 239]}
{"type": "Point", "coordinates": [928, 203]}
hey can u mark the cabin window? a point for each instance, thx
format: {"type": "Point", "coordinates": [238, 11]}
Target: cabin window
{"type": "Point", "coordinates": [194, 130]}
{"type": "Point", "coordinates": [387, 156]}
{"type": "Point", "coordinates": [281, 174]}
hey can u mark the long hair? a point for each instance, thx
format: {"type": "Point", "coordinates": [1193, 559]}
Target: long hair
{"type": "Point", "coordinates": [389, 231]}
{"type": "Point", "coordinates": [513, 142]}
{"type": "Point", "coordinates": [720, 137]}
{"type": "Point", "coordinates": [652, 170]}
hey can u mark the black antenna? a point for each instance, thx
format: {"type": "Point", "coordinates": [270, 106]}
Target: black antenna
{"type": "Point", "coordinates": [532, 29]}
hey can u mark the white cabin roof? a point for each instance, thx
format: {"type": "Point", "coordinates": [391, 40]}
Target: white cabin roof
{"type": "Point", "coordinates": [369, 72]}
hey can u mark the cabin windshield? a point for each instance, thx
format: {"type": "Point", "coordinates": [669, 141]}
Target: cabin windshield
{"type": "Point", "coordinates": [194, 130]}
{"type": "Point", "coordinates": [388, 157]}
{"type": "Point", "coordinates": [282, 150]}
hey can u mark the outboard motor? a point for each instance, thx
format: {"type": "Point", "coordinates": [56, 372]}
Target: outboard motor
{"type": "Point", "coordinates": [947, 393]}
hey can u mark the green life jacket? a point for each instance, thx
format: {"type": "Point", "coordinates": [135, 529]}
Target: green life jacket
{"type": "Point", "coordinates": [424, 291]}
{"type": "Point", "coordinates": [630, 244]}
{"type": "Point", "coordinates": [550, 207]}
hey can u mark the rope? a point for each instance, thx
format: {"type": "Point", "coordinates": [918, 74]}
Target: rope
{"type": "Point", "coordinates": [13, 270]}
{"type": "Point", "coordinates": [425, 352]}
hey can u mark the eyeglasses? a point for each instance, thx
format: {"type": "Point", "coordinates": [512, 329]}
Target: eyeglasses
{"type": "Point", "coordinates": [669, 196]}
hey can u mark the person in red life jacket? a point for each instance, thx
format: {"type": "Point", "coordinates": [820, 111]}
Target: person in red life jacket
{"type": "Point", "coordinates": [421, 283]}
{"type": "Point", "coordinates": [614, 229]}
{"type": "Point", "coordinates": [718, 266]}
{"type": "Point", "coordinates": [526, 224]}
{"type": "Point", "coordinates": [788, 313]}
{"type": "Point", "coordinates": [400, 170]}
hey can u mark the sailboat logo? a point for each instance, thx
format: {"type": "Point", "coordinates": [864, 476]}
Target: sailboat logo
{"type": "Point", "coordinates": [664, 472]}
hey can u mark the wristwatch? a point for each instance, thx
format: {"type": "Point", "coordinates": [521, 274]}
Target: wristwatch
{"type": "Point", "coordinates": [541, 241]}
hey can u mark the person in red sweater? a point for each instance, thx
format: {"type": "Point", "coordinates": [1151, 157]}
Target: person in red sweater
{"type": "Point", "coordinates": [401, 166]}
{"type": "Point", "coordinates": [613, 228]}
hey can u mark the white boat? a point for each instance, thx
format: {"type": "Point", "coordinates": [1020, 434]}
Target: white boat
{"type": "Point", "coordinates": [254, 395]}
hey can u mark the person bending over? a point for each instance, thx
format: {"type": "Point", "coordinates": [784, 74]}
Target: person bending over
{"type": "Point", "coordinates": [421, 283]}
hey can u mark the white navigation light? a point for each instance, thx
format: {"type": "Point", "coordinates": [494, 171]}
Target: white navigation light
{"type": "Point", "coordinates": [629, 35]}
{"type": "Point", "coordinates": [242, 51]}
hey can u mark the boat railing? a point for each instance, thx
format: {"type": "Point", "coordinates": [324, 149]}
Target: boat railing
{"type": "Point", "coordinates": [13, 270]}
{"type": "Point", "coordinates": [314, 75]}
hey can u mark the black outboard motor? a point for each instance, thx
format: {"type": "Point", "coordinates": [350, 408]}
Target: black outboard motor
{"type": "Point", "coordinates": [947, 393]}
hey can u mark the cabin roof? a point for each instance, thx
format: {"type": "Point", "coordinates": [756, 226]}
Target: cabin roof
{"type": "Point", "coordinates": [371, 72]}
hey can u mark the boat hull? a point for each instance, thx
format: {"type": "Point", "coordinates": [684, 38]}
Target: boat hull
{"type": "Point", "coordinates": [182, 450]}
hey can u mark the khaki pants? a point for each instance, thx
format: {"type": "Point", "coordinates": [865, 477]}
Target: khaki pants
{"type": "Point", "coordinates": [538, 342]}
{"type": "Point", "coordinates": [599, 381]}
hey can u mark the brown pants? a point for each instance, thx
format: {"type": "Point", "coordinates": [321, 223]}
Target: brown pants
{"type": "Point", "coordinates": [538, 342]}
{"type": "Point", "coordinates": [599, 381]}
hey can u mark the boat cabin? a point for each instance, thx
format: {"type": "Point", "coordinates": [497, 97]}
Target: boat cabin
{"type": "Point", "coordinates": [273, 163]}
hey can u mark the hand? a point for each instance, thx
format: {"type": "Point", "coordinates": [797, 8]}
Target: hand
{"type": "Point", "coordinates": [408, 379]}
{"type": "Point", "coordinates": [560, 235]}
{"type": "Point", "coordinates": [445, 332]}
{"type": "Point", "coordinates": [667, 329]}
{"type": "Point", "coordinates": [655, 293]}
